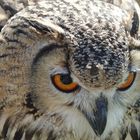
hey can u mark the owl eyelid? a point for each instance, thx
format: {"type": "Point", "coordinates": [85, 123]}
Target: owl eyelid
{"type": "Point", "coordinates": [59, 70]}
{"type": "Point", "coordinates": [129, 82]}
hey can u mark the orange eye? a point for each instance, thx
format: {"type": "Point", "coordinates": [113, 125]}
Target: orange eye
{"type": "Point", "coordinates": [128, 83]}
{"type": "Point", "coordinates": [64, 83]}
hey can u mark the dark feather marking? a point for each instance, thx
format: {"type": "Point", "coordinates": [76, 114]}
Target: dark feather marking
{"type": "Point", "coordinates": [40, 27]}
{"type": "Point", "coordinates": [44, 51]}
{"type": "Point", "coordinates": [18, 135]}
{"type": "Point", "coordinates": [11, 10]}
{"type": "Point", "coordinates": [123, 133]}
{"type": "Point", "coordinates": [20, 31]}
{"type": "Point", "coordinates": [134, 133]}
{"type": "Point", "coordinates": [29, 134]}
{"type": "Point", "coordinates": [11, 40]}
{"type": "Point", "coordinates": [29, 101]}
{"type": "Point", "coordinates": [1, 27]}
{"type": "Point", "coordinates": [5, 128]}
{"type": "Point", "coordinates": [4, 55]}
{"type": "Point", "coordinates": [51, 136]}
{"type": "Point", "coordinates": [123, 136]}
{"type": "Point", "coordinates": [22, 26]}
{"type": "Point", "coordinates": [135, 24]}
{"type": "Point", "coordinates": [137, 104]}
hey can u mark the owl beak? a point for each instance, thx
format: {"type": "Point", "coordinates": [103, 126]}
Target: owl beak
{"type": "Point", "coordinates": [98, 118]}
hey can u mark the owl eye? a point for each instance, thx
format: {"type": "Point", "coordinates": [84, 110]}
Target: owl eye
{"type": "Point", "coordinates": [64, 83]}
{"type": "Point", "coordinates": [128, 82]}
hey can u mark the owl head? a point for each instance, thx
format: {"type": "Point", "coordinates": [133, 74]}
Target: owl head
{"type": "Point", "coordinates": [78, 66]}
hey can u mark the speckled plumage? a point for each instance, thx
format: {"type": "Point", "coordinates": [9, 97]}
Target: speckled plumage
{"type": "Point", "coordinates": [96, 42]}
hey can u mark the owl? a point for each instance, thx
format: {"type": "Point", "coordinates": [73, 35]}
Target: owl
{"type": "Point", "coordinates": [69, 70]}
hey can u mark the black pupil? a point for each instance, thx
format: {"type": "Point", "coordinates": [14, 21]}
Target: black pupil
{"type": "Point", "coordinates": [66, 79]}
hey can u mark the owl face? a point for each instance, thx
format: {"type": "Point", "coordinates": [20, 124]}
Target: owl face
{"type": "Point", "coordinates": [90, 72]}
{"type": "Point", "coordinates": [82, 71]}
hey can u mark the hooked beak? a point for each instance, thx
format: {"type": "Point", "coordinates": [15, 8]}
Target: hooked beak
{"type": "Point", "coordinates": [98, 118]}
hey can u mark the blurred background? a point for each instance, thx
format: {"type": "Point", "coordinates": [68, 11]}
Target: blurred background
{"type": "Point", "coordinates": [138, 1]}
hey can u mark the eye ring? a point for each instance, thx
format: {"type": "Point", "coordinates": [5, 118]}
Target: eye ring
{"type": "Point", "coordinates": [64, 83]}
{"type": "Point", "coordinates": [128, 82]}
